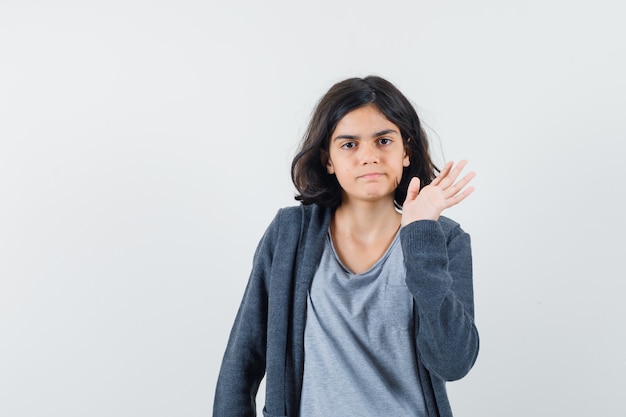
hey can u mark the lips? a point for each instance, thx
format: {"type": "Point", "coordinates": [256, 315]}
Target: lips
{"type": "Point", "coordinates": [371, 175]}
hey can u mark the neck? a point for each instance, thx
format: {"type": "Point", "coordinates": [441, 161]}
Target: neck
{"type": "Point", "coordinates": [366, 220]}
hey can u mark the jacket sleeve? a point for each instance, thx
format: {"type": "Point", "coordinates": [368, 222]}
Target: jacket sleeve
{"type": "Point", "coordinates": [243, 364]}
{"type": "Point", "coordinates": [438, 264]}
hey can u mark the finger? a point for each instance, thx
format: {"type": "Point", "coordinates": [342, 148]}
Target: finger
{"type": "Point", "coordinates": [413, 189]}
{"type": "Point", "coordinates": [453, 175]}
{"type": "Point", "coordinates": [461, 196]}
{"type": "Point", "coordinates": [442, 174]}
{"type": "Point", "coordinates": [459, 185]}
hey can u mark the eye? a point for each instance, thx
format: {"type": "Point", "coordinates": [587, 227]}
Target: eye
{"type": "Point", "coordinates": [348, 145]}
{"type": "Point", "coordinates": [384, 141]}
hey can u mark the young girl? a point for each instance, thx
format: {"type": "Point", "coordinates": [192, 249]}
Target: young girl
{"type": "Point", "coordinates": [360, 300]}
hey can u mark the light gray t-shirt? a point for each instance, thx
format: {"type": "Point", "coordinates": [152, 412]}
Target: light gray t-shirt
{"type": "Point", "coordinates": [359, 351]}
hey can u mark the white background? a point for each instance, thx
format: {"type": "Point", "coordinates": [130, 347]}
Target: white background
{"type": "Point", "coordinates": [145, 146]}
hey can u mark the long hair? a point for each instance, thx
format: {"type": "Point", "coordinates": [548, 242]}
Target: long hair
{"type": "Point", "coordinates": [313, 183]}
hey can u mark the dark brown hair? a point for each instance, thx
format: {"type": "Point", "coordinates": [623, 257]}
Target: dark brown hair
{"type": "Point", "coordinates": [313, 183]}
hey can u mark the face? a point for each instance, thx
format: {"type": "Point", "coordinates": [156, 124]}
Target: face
{"type": "Point", "coordinates": [367, 155]}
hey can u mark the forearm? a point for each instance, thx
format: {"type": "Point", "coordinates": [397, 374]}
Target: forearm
{"type": "Point", "coordinates": [439, 275]}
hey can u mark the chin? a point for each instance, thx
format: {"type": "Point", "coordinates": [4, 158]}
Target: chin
{"type": "Point", "coordinates": [374, 198]}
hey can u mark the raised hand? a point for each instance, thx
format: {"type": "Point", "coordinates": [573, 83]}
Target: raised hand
{"type": "Point", "coordinates": [443, 192]}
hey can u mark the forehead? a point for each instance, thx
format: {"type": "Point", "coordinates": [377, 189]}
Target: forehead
{"type": "Point", "coordinates": [365, 119]}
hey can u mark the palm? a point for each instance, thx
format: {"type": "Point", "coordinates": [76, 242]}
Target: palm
{"type": "Point", "coordinates": [442, 193]}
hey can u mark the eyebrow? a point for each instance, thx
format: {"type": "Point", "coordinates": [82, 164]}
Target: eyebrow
{"type": "Point", "coordinates": [375, 135]}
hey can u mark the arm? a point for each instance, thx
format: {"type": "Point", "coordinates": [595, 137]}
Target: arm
{"type": "Point", "coordinates": [243, 365]}
{"type": "Point", "coordinates": [438, 261]}
{"type": "Point", "coordinates": [439, 275]}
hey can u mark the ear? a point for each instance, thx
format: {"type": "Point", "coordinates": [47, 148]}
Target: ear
{"type": "Point", "coordinates": [406, 159]}
{"type": "Point", "coordinates": [326, 161]}
{"type": "Point", "coordinates": [329, 167]}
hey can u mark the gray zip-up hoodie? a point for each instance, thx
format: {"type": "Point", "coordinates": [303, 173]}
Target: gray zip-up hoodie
{"type": "Point", "coordinates": [268, 334]}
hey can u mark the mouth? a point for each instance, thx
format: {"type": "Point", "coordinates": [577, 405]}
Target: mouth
{"type": "Point", "coordinates": [371, 176]}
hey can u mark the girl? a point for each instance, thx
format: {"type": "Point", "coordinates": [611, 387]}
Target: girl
{"type": "Point", "coordinates": [360, 299]}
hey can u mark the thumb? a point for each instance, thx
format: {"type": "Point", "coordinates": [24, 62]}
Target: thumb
{"type": "Point", "coordinates": [413, 189]}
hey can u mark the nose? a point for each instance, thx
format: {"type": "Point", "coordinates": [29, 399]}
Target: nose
{"type": "Point", "coordinates": [368, 154]}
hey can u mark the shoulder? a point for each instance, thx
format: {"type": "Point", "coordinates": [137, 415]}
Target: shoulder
{"type": "Point", "coordinates": [301, 214]}
{"type": "Point", "coordinates": [293, 225]}
{"type": "Point", "coordinates": [290, 214]}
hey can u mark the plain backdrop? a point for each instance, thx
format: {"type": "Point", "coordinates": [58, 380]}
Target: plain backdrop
{"type": "Point", "coordinates": [145, 147]}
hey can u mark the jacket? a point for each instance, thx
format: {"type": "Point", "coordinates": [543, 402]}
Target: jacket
{"type": "Point", "coordinates": [267, 337]}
